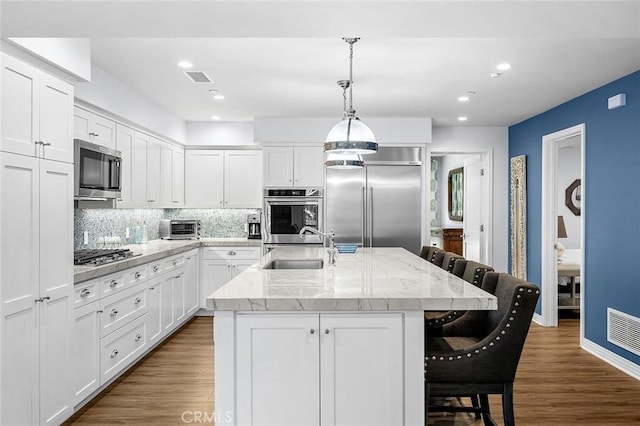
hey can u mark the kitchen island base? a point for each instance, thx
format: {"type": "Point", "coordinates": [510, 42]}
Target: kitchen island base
{"type": "Point", "coordinates": [319, 368]}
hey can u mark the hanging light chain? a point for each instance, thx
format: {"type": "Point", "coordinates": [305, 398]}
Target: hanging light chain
{"type": "Point", "coordinates": [351, 41]}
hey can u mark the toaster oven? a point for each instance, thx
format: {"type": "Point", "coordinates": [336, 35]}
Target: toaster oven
{"type": "Point", "coordinates": [179, 229]}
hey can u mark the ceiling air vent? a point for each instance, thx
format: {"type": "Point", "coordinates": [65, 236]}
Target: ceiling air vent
{"type": "Point", "coordinates": [623, 330]}
{"type": "Point", "coordinates": [198, 76]}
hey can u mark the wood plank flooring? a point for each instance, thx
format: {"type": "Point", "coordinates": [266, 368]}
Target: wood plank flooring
{"type": "Point", "coordinates": [557, 384]}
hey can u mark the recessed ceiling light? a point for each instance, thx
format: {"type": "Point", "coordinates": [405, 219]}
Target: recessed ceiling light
{"type": "Point", "coordinates": [503, 66]}
{"type": "Point", "coordinates": [215, 117]}
{"type": "Point", "coordinates": [185, 64]}
{"type": "Point", "coordinates": [218, 96]}
{"type": "Point", "coordinates": [462, 118]}
{"type": "Point", "coordinates": [463, 98]}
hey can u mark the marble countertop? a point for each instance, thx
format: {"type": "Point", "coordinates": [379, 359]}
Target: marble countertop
{"type": "Point", "coordinates": [154, 250]}
{"type": "Point", "coordinates": [372, 279]}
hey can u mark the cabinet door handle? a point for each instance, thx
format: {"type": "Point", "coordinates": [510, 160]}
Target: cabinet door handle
{"type": "Point", "coordinates": [228, 266]}
{"type": "Point", "coordinates": [312, 331]}
{"type": "Point", "coordinates": [99, 311]}
{"type": "Point", "coordinates": [138, 300]}
{"type": "Point", "coordinates": [188, 258]}
{"type": "Point", "coordinates": [156, 268]}
{"type": "Point", "coordinates": [46, 143]}
{"type": "Point", "coordinates": [175, 262]}
{"type": "Point", "coordinates": [46, 298]}
{"type": "Point", "coordinates": [138, 337]}
{"type": "Point", "coordinates": [137, 275]}
{"type": "Point", "coordinates": [85, 292]}
{"type": "Point", "coordinates": [114, 353]}
{"type": "Point", "coordinates": [113, 283]}
{"type": "Point", "coordinates": [94, 134]}
{"type": "Point", "coordinates": [231, 253]}
{"type": "Point", "coordinates": [114, 312]}
{"type": "Point", "coordinates": [326, 331]}
{"type": "Point", "coordinates": [152, 288]}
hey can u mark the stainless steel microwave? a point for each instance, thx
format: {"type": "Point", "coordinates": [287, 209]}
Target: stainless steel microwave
{"type": "Point", "coordinates": [179, 229]}
{"type": "Point", "coordinates": [98, 171]}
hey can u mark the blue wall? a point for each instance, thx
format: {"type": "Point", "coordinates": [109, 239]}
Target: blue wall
{"type": "Point", "coordinates": [612, 199]}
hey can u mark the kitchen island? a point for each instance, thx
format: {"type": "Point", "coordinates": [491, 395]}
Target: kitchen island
{"type": "Point", "coordinates": [338, 345]}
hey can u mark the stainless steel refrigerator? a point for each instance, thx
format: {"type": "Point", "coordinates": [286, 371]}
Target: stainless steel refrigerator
{"type": "Point", "coordinates": [380, 204]}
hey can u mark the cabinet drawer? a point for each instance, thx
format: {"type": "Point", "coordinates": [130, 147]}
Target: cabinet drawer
{"type": "Point", "coordinates": [119, 309]}
{"type": "Point", "coordinates": [114, 283]}
{"type": "Point", "coordinates": [231, 253]}
{"type": "Point", "coordinates": [120, 348]}
{"type": "Point", "coordinates": [173, 262]}
{"type": "Point", "coordinates": [85, 292]}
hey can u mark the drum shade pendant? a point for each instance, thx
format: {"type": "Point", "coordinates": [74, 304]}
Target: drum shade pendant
{"type": "Point", "coordinates": [350, 138]}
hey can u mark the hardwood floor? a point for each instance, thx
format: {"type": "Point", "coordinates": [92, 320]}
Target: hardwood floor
{"type": "Point", "coordinates": [557, 384]}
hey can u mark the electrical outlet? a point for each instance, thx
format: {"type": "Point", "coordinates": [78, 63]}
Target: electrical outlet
{"type": "Point", "coordinates": [85, 238]}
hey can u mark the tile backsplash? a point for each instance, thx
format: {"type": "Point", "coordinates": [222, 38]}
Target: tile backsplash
{"type": "Point", "coordinates": [216, 223]}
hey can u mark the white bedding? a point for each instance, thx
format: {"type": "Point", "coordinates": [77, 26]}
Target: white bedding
{"type": "Point", "coordinates": [570, 256]}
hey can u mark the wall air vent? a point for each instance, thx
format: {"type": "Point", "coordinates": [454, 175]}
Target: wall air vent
{"type": "Point", "coordinates": [198, 77]}
{"type": "Point", "coordinates": [623, 330]}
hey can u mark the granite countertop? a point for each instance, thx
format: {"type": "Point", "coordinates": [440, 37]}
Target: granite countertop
{"type": "Point", "coordinates": [154, 250]}
{"type": "Point", "coordinates": [372, 279]}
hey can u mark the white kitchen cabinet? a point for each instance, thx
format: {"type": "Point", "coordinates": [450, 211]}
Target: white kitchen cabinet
{"type": "Point", "coordinates": [204, 176]}
{"type": "Point", "coordinates": [125, 144]}
{"type": "Point", "coordinates": [147, 157]}
{"type": "Point", "coordinates": [172, 176]}
{"type": "Point", "coordinates": [223, 179]}
{"type": "Point", "coordinates": [287, 166]}
{"type": "Point", "coordinates": [242, 179]}
{"type": "Point", "coordinates": [154, 311]}
{"type": "Point", "coordinates": [154, 172]}
{"type": "Point", "coordinates": [167, 318]}
{"type": "Point", "coordinates": [85, 351]}
{"type": "Point", "coordinates": [94, 128]}
{"type": "Point", "coordinates": [120, 348]}
{"type": "Point", "coordinates": [37, 112]}
{"type": "Point", "coordinates": [317, 368]}
{"type": "Point", "coordinates": [120, 308]}
{"type": "Point", "coordinates": [191, 282]}
{"type": "Point", "coordinates": [36, 253]}
{"type": "Point", "coordinates": [221, 264]}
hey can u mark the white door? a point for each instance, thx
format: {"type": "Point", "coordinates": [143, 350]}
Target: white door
{"type": "Point", "coordinates": [154, 319]}
{"type": "Point", "coordinates": [278, 166]}
{"type": "Point", "coordinates": [125, 144]}
{"type": "Point", "coordinates": [177, 181]}
{"type": "Point", "coordinates": [242, 179]}
{"type": "Point", "coordinates": [56, 289]}
{"type": "Point", "coordinates": [56, 119]}
{"type": "Point", "coordinates": [472, 209]}
{"type": "Point", "coordinates": [20, 259]}
{"type": "Point", "coordinates": [278, 370]}
{"type": "Point", "coordinates": [85, 352]}
{"type": "Point", "coordinates": [154, 173]}
{"type": "Point", "coordinates": [308, 163]}
{"type": "Point", "coordinates": [178, 297]}
{"type": "Point", "coordinates": [139, 169]}
{"type": "Point", "coordinates": [362, 369]}
{"type": "Point", "coordinates": [191, 302]}
{"type": "Point", "coordinates": [19, 107]}
{"type": "Point", "coordinates": [204, 176]}
{"type": "Point", "coordinates": [215, 274]}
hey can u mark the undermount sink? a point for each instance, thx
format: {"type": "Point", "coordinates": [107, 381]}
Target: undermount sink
{"type": "Point", "coordinates": [295, 264]}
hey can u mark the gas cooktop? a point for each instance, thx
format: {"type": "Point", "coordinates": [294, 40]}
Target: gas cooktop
{"type": "Point", "coordinates": [96, 257]}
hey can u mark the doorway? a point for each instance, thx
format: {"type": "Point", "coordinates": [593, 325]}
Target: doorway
{"type": "Point", "coordinates": [469, 233]}
{"type": "Point", "coordinates": [562, 242]}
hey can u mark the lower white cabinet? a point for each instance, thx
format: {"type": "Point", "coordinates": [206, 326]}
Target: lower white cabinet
{"type": "Point", "coordinates": [191, 282]}
{"type": "Point", "coordinates": [85, 351]}
{"type": "Point", "coordinates": [327, 369]}
{"type": "Point", "coordinates": [154, 311]}
{"type": "Point", "coordinates": [221, 264]}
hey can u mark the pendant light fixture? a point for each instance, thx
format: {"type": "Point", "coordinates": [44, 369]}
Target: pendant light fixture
{"type": "Point", "coordinates": [350, 138]}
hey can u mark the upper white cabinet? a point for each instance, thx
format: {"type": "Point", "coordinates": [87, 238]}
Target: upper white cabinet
{"type": "Point", "coordinates": [94, 128]}
{"type": "Point", "coordinates": [287, 166]}
{"type": "Point", "coordinates": [172, 175]}
{"type": "Point", "coordinates": [36, 294]}
{"type": "Point", "coordinates": [147, 157]}
{"type": "Point", "coordinates": [223, 179]}
{"type": "Point", "coordinates": [125, 143]}
{"type": "Point", "coordinates": [37, 112]}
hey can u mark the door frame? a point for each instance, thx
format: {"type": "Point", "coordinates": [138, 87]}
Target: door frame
{"type": "Point", "coordinates": [487, 208]}
{"type": "Point", "coordinates": [548, 256]}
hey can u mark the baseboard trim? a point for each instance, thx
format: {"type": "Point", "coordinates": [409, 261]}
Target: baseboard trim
{"type": "Point", "coordinates": [612, 359]}
{"type": "Point", "coordinates": [537, 318]}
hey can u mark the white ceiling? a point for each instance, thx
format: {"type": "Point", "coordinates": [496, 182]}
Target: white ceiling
{"type": "Point", "coordinates": [414, 59]}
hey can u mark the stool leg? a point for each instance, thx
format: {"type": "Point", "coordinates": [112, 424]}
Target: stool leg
{"type": "Point", "coordinates": [475, 403]}
{"type": "Point", "coordinates": [507, 405]}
